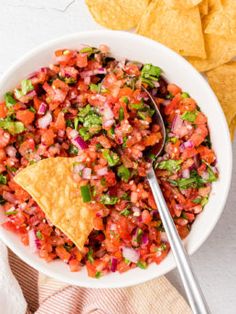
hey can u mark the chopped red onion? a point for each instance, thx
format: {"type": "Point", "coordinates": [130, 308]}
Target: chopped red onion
{"type": "Point", "coordinates": [186, 173]}
{"type": "Point", "coordinates": [102, 171]}
{"type": "Point", "coordinates": [86, 173]}
{"type": "Point", "coordinates": [113, 264]}
{"type": "Point", "coordinates": [79, 142]}
{"type": "Point", "coordinates": [166, 102]}
{"type": "Point", "coordinates": [156, 84]}
{"type": "Point", "coordinates": [145, 239]}
{"type": "Point", "coordinates": [3, 217]}
{"type": "Point", "coordinates": [100, 71]}
{"type": "Point", "coordinates": [205, 175]}
{"type": "Point", "coordinates": [9, 197]}
{"type": "Point", "coordinates": [179, 127]}
{"type": "Point", "coordinates": [197, 160]}
{"type": "Point", "coordinates": [85, 74]}
{"type": "Point", "coordinates": [11, 151]}
{"type": "Point", "coordinates": [42, 108]}
{"type": "Point", "coordinates": [31, 94]}
{"type": "Point", "coordinates": [131, 254]}
{"type": "Point", "coordinates": [113, 227]}
{"type": "Point", "coordinates": [187, 144]}
{"type": "Point", "coordinates": [61, 133]}
{"type": "Point", "coordinates": [73, 134]}
{"type": "Point", "coordinates": [107, 113]}
{"type": "Point", "coordinates": [32, 241]}
{"type": "Point", "coordinates": [44, 122]}
{"type": "Point", "coordinates": [108, 123]}
{"type": "Point", "coordinates": [177, 123]}
{"type": "Point", "coordinates": [78, 167]}
{"type": "Point", "coordinates": [164, 237]}
{"type": "Point", "coordinates": [197, 209]}
{"type": "Point", "coordinates": [136, 211]}
{"type": "Point", "coordinates": [87, 80]}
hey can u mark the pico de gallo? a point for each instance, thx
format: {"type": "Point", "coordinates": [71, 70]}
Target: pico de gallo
{"type": "Point", "coordinates": [90, 105]}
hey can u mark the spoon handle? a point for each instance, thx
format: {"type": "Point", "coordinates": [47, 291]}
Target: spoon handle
{"type": "Point", "coordinates": [195, 296]}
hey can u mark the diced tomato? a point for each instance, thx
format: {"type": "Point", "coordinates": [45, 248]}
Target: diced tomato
{"type": "Point", "coordinates": [47, 137]}
{"type": "Point", "coordinates": [82, 60]}
{"type": "Point", "coordinates": [60, 123]}
{"type": "Point", "coordinates": [146, 217]}
{"type": "Point", "coordinates": [25, 116]}
{"type": "Point", "coordinates": [173, 89]}
{"type": "Point", "coordinates": [206, 154]}
{"type": "Point", "coordinates": [62, 253]}
{"type": "Point", "coordinates": [3, 110]}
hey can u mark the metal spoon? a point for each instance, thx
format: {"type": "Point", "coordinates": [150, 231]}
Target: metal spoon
{"type": "Point", "coordinates": [195, 296]}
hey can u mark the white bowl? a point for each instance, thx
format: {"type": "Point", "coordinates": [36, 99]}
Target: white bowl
{"type": "Point", "coordinates": [177, 70]}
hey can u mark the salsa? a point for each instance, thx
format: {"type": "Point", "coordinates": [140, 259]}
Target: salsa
{"type": "Point", "coordinates": [90, 105]}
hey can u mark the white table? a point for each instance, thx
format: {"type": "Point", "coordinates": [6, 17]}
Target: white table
{"type": "Point", "coordinates": [26, 23]}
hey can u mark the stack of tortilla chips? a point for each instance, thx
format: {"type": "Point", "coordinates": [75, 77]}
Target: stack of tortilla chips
{"type": "Point", "coordinates": [203, 31]}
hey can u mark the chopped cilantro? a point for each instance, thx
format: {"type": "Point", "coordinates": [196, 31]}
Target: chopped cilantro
{"type": "Point", "coordinates": [39, 235]}
{"type": "Point", "coordinates": [123, 173]}
{"type": "Point", "coordinates": [84, 133]}
{"type": "Point", "coordinates": [98, 274]}
{"type": "Point", "coordinates": [2, 200]}
{"type": "Point", "coordinates": [86, 50]}
{"type": "Point", "coordinates": [204, 201]}
{"type": "Point", "coordinates": [95, 87]}
{"type": "Point", "coordinates": [3, 179]}
{"type": "Point", "coordinates": [32, 109]}
{"type": "Point", "coordinates": [90, 255]}
{"type": "Point", "coordinates": [197, 200]}
{"type": "Point", "coordinates": [150, 73]}
{"type": "Point", "coordinates": [112, 158]}
{"type": "Point", "coordinates": [189, 116]}
{"type": "Point", "coordinates": [142, 265]}
{"type": "Point", "coordinates": [9, 99]}
{"type": "Point", "coordinates": [185, 95]}
{"type": "Point", "coordinates": [124, 99]}
{"type": "Point", "coordinates": [125, 196]}
{"type": "Point", "coordinates": [85, 193]}
{"type": "Point", "coordinates": [170, 165]}
{"type": "Point", "coordinates": [121, 114]}
{"type": "Point", "coordinates": [137, 106]}
{"type": "Point", "coordinates": [73, 150]}
{"type": "Point", "coordinates": [76, 122]}
{"type": "Point", "coordinates": [125, 212]}
{"type": "Point", "coordinates": [13, 127]}
{"type": "Point", "coordinates": [103, 181]}
{"type": "Point", "coordinates": [108, 200]}
{"type": "Point", "coordinates": [11, 212]}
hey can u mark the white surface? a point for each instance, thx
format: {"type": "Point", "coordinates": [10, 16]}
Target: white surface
{"type": "Point", "coordinates": [23, 25]}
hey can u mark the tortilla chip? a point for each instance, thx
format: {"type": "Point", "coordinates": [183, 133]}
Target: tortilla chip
{"type": "Point", "coordinates": [51, 185]}
{"type": "Point", "coordinates": [117, 14]}
{"type": "Point", "coordinates": [182, 4]}
{"type": "Point", "coordinates": [214, 5]}
{"type": "Point", "coordinates": [219, 50]}
{"type": "Point", "coordinates": [223, 82]}
{"type": "Point", "coordinates": [222, 21]}
{"type": "Point", "coordinates": [180, 30]}
{"type": "Point", "coordinates": [203, 7]}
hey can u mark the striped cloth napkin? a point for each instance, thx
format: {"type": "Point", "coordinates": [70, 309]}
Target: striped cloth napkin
{"type": "Point", "coordinates": [44, 295]}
